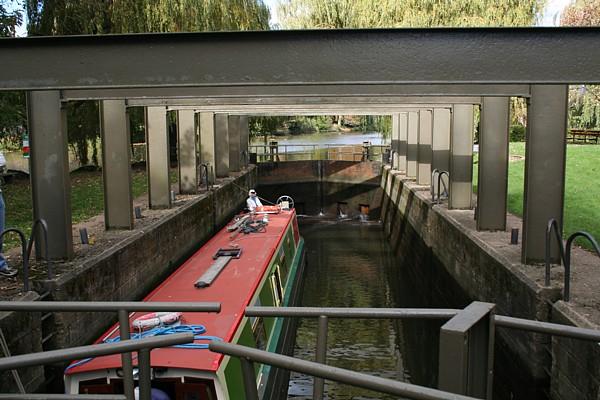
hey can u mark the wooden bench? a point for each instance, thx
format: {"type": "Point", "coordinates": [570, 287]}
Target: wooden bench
{"type": "Point", "coordinates": [583, 136]}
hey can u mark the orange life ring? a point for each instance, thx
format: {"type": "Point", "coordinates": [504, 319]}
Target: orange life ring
{"type": "Point", "coordinates": [152, 320]}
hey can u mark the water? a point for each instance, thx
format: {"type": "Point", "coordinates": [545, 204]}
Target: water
{"type": "Point", "coordinates": [350, 264]}
{"type": "Point", "coordinates": [325, 138]}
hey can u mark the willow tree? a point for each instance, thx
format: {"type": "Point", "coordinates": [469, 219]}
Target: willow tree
{"type": "Point", "coordinates": [304, 14]}
{"type": "Point", "coordinates": [584, 100]}
{"type": "Point", "coordinates": [301, 14]}
{"type": "Point", "coordinates": [75, 17]}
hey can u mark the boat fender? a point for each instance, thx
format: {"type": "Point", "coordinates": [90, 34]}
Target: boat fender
{"type": "Point", "coordinates": [152, 320]}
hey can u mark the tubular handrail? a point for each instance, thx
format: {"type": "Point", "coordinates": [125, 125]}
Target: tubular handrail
{"type": "Point", "coordinates": [323, 313]}
{"type": "Point", "coordinates": [142, 346]}
{"type": "Point", "coordinates": [94, 350]}
{"type": "Point", "coordinates": [342, 312]}
{"type": "Point", "coordinates": [553, 227]}
{"type": "Point", "coordinates": [402, 389]}
{"type": "Point", "coordinates": [439, 174]}
{"type": "Point", "coordinates": [123, 308]}
{"type": "Point", "coordinates": [271, 151]}
{"type": "Point", "coordinates": [205, 168]}
{"type": "Point", "coordinates": [54, 396]}
{"type": "Point", "coordinates": [565, 253]}
{"type": "Point", "coordinates": [23, 255]}
{"type": "Point", "coordinates": [567, 258]}
{"type": "Point", "coordinates": [75, 306]}
{"type": "Point", "coordinates": [44, 226]}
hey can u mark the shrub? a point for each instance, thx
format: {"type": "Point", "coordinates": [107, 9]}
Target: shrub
{"type": "Point", "coordinates": [517, 133]}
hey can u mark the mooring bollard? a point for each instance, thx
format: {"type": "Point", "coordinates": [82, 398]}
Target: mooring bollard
{"type": "Point", "coordinates": [514, 236]}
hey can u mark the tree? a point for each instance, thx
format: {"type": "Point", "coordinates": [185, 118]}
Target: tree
{"type": "Point", "coordinates": [582, 13]}
{"type": "Point", "coordinates": [303, 14]}
{"type": "Point", "coordinates": [75, 17]}
{"type": "Point", "coordinates": [12, 104]}
{"type": "Point", "coordinates": [9, 20]}
{"type": "Point", "coordinates": [584, 100]}
{"type": "Point", "coordinates": [298, 14]}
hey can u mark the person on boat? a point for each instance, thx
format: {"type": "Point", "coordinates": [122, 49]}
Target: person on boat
{"type": "Point", "coordinates": [253, 201]}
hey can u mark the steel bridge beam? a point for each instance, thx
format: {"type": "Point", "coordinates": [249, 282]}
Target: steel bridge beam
{"type": "Point", "coordinates": [275, 102]}
{"type": "Point", "coordinates": [116, 165]}
{"type": "Point", "coordinates": [222, 145]}
{"type": "Point", "coordinates": [323, 109]}
{"type": "Point", "coordinates": [416, 56]}
{"type": "Point", "coordinates": [167, 96]}
{"type": "Point", "coordinates": [493, 164]}
{"type": "Point", "coordinates": [157, 157]}
{"type": "Point", "coordinates": [461, 158]}
{"type": "Point", "coordinates": [424, 147]}
{"type": "Point", "coordinates": [545, 154]}
{"type": "Point", "coordinates": [50, 181]}
{"type": "Point", "coordinates": [187, 159]}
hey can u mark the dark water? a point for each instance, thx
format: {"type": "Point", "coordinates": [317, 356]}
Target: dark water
{"type": "Point", "coordinates": [351, 265]}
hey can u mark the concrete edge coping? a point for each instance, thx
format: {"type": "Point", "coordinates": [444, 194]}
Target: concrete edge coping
{"type": "Point", "coordinates": [27, 296]}
{"type": "Point", "coordinates": [571, 314]}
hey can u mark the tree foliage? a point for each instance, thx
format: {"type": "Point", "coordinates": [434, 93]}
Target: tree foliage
{"type": "Point", "coordinates": [582, 13]}
{"type": "Point", "coordinates": [72, 17]}
{"type": "Point", "coordinates": [584, 100]}
{"type": "Point", "coordinates": [75, 17]}
{"type": "Point", "coordinates": [9, 20]}
{"type": "Point", "coordinates": [302, 14]}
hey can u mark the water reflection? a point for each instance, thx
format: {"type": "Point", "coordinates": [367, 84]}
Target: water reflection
{"type": "Point", "coordinates": [350, 264]}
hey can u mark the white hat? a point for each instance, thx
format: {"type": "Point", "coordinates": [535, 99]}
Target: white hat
{"type": "Point", "coordinates": [251, 191]}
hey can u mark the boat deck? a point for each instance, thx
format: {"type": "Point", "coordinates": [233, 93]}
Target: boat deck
{"type": "Point", "coordinates": [233, 288]}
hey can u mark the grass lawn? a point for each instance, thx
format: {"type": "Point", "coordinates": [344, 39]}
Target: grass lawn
{"type": "Point", "coordinates": [582, 190]}
{"type": "Point", "coordinates": [87, 199]}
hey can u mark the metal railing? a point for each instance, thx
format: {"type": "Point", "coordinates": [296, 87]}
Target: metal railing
{"type": "Point", "coordinates": [247, 355]}
{"type": "Point", "coordinates": [564, 253]}
{"type": "Point", "coordinates": [322, 151]}
{"type": "Point", "coordinates": [143, 347]}
{"type": "Point", "coordinates": [437, 173]}
{"type": "Point", "coordinates": [122, 308]}
{"type": "Point", "coordinates": [466, 343]}
{"type": "Point", "coordinates": [27, 245]}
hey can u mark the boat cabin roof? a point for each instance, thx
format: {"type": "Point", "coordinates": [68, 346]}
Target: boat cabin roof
{"type": "Point", "coordinates": [234, 288]}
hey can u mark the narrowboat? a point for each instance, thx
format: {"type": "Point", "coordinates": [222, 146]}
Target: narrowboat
{"type": "Point", "coordinates": [258, 260]}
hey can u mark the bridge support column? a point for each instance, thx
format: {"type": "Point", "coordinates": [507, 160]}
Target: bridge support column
{"type": "Point", "coordinates": [187, 160]}
{"type": "Point", "coordinates": [221, 145]}
{"type": "Point", "coordinates": [493, 164]}
{"type": "Point", "coordinates": [244, 141]}
{"type": "Point", "coordinates": [403, 144]}
{"type": "Point", "coordinates": [461, 158]}
{"type": "Point", "coordinates": [233, 128]}
{"type": "Point", "coordinates": [440, 145]}
{"type": "Point", "coordinates": [207, 143]}
{"type": "Point", "coordinates": [545, 154]}
{"type": "Point", "coordinates": [116, 165]}
{"type": "Point", "coordinates": [395, 145]}
{"type": "Point", "coordinates": [157, 157]}
{"type": "Point", "coordinates": [412, 139]}
{"type": "Point", "coordinates": [424, 148]}
{"type": "Point", "coordinates": [50, 181]}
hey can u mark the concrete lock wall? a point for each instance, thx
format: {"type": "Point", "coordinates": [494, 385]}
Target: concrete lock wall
{"type": "Point", "coordinates": [324, 185]}
{"type": "Point", "coordinates": [126, 272]}
{"type": "Point", "coordinates": [23, 333]}
{"type": "Point", "coordinates": [432, 239]}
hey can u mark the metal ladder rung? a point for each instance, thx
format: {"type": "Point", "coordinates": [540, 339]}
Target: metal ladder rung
{"type": "Point", "coordinates": [47, 338]}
